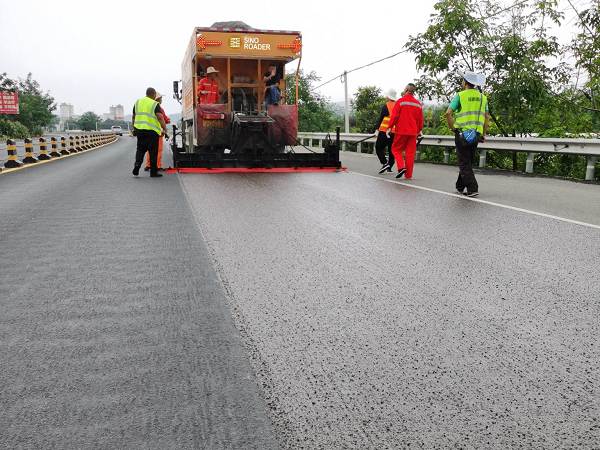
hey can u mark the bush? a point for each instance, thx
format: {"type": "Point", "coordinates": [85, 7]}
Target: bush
{"type": "Point", "coordinates": [13, 129]}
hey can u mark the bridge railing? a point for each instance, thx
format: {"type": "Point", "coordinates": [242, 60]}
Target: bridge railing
{"type": "Point", "coordinates": [588, 148]}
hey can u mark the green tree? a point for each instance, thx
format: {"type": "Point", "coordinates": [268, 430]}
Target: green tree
{"type": "Point", "coordinates": [71, 124]}
{"type": "Point", "coordinates": [35, 105]}
{"type": "Point", "coordinates": [510, 45]}
{"type": "Point", "coordinates": [586, 47]}
{"type": "Point", "coordinates": [12, 129]}
{"type": "Point", "coordinates": [88, 121]}
{"type": "Point", "coordinates": [314, 112]}
{"type": "Point", "coordinates": [367, 105]}
{"type": "Point", "coordinates": [110, 122]}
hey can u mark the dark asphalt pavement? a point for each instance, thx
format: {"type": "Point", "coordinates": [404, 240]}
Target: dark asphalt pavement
{"type": "Point", "coordinates": [314, 310]}
{"type": "Point", "coordinates": [114, 330]}
{"type": "Point", "coordinates": [380, 316]}
{"type": "Point", "coordinates": [568, 199]}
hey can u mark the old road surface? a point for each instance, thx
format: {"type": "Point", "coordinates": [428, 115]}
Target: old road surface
{"type": "Point", "coordinates": [307, 310]}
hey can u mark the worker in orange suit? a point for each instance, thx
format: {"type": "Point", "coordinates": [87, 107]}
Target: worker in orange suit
{"type": "Point", "coordinates": [208, 87]}
{"type": "Point", "coordinates": [160, 139]}
{"type": "Point", "coordinates": [407, 117]}
{"type": "Point", "coordinates": [383, 139]}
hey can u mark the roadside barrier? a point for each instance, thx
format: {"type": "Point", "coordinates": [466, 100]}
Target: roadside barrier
{"type": "Point", "coordinates": [43, 156]}
{"type": "Point", "coordinates": [584, 147]}
{"type": "Point", "coordinates": [29, 156]}
{"type": "Point", "coordinates": [12, 161]}
{"type": "Point", "coordinates": [63, 146]}
{"type": "Point", "coordinates": [68, 145]}
{"type": "Point", "coordinates": [78, 144]}
{"type": "Point", "coordinates": [54, 153]}
{"type": "Point", "coordinates": [72, 144]}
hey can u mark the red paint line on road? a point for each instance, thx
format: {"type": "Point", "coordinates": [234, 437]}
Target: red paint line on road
{"type": "Point", "coordinates": [255, 170]}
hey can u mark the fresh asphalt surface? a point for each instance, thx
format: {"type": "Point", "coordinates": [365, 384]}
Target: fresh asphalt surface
{"type": "Point", "coordinates": [571, 200]}
{"type": "Point", "coordinates": [293, 310]}
{"type": "Point", "coordinates": [114, 329]}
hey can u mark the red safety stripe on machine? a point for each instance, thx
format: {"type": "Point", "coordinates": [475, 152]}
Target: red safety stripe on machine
{"type": "Point", "coordinates": [255, 170]}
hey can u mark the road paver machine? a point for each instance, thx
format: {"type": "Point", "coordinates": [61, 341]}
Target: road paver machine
{"type": "Point", "coordinates": [240, 130]}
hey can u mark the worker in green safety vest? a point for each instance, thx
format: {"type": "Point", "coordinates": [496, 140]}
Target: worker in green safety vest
{"type": "Point", "coordinates": [468, 116]}
{"type": "Point", "coordinates": [148, 126]}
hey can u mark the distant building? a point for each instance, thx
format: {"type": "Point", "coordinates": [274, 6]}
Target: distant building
{"type": "Point", "coordinates": [119, 114]}
{"type": "Point", "coordinates": [115, 112]}
{"type": "Point", "coordinates": [66, 112]}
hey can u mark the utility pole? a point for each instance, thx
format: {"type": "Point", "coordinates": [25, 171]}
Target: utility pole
{"type": "Point", "coordinates": [346, 104]}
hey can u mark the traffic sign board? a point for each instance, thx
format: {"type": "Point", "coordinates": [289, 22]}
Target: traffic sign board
{"type": "Point", "coordinates": [9, 102]}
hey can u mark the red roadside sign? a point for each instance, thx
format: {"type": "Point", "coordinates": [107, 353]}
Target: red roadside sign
{"type": "Point", "coordinates": [9, 102]}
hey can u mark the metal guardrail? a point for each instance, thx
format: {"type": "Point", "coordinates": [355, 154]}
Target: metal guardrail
{"type": "Point", "coordinates": [590, 148]}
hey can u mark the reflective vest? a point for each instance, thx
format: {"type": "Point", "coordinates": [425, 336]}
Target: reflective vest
{"type": "Point", "coordinates": [386, 120]}
{"type": "Point", "coordinates": [473, 105]}
{"type": "Point", "coordinates": [145, 118]}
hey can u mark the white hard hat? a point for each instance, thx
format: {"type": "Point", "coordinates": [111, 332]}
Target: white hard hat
{"type": "Point", "coordinates": [158, 95]}
{"type": "Point", "coordinates": [476, 79]}
{"type": "Point", "coordinates": [211, 69]}
{"type": "Point", "coordinates": [391, 94]}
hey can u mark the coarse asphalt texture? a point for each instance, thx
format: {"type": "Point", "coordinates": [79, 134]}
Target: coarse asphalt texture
{"type": "Point", "coordinates": [293, 310]}
{"type": "Point", "coordinates": [114, 330]}
{"type": "Point", "coordinates": [572, 200]}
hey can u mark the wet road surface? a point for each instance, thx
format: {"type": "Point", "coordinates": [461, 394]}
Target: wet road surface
{"type": "Point", "coordinates": [114, 330]}
{"type": "Point", "coordinates": [292, 310]}
{"type": "Point", "coordinates": [379, 316]}
{"type": "Point", "coordinates": [572, 200]}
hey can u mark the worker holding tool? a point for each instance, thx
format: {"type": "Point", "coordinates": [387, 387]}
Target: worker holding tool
{"type": "Point", "coordinates": [208, 87]}
{"type": "Point", "coordinates": [160, 139]}
{"type": "Point", "coordinates": [468, 116]}
{"type": "Point", "coordinates": [383, 140]}
{"type": "Point", "coordinates": [148, 125]}
{"type": "Point", "coordinates": [407, 118]}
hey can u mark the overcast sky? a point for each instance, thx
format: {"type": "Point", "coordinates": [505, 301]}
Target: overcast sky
{"type": "Point", "coordinates": [96, 54]}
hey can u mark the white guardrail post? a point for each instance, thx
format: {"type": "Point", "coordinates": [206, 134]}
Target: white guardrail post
{"type": "Point", "coordinates": [482, 158]}
{"type": "Point", "coordinates": [529, 162]}
{"type": "Point", "coordinates": [590, 148]}
{"type": "Point", "coordinates": [591, 168]}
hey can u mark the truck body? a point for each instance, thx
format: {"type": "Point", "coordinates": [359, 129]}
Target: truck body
{"type": "Point", "coordinates": [240, 130]}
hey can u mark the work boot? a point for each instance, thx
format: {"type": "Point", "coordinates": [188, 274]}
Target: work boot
{"type": "Point", "coordinates": [385, 168]}
{"type": "Point", "coordinates": [400, 173]}
{"type": "Point", "coordinates": [135, 171]}
{"type": "Point", "coordinates": [155, 174]}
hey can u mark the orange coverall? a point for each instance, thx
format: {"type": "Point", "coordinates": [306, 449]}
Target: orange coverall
{"type": "Point", "coordinates": [160, 145]}
{"type": "Point", "coordinates": [407, 116]}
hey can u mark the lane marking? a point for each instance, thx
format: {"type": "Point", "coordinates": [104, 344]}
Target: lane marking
{"type": "Point", "coordinates": [485, 202]}
{"type": "Point", "coordinates": [39, 163]}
